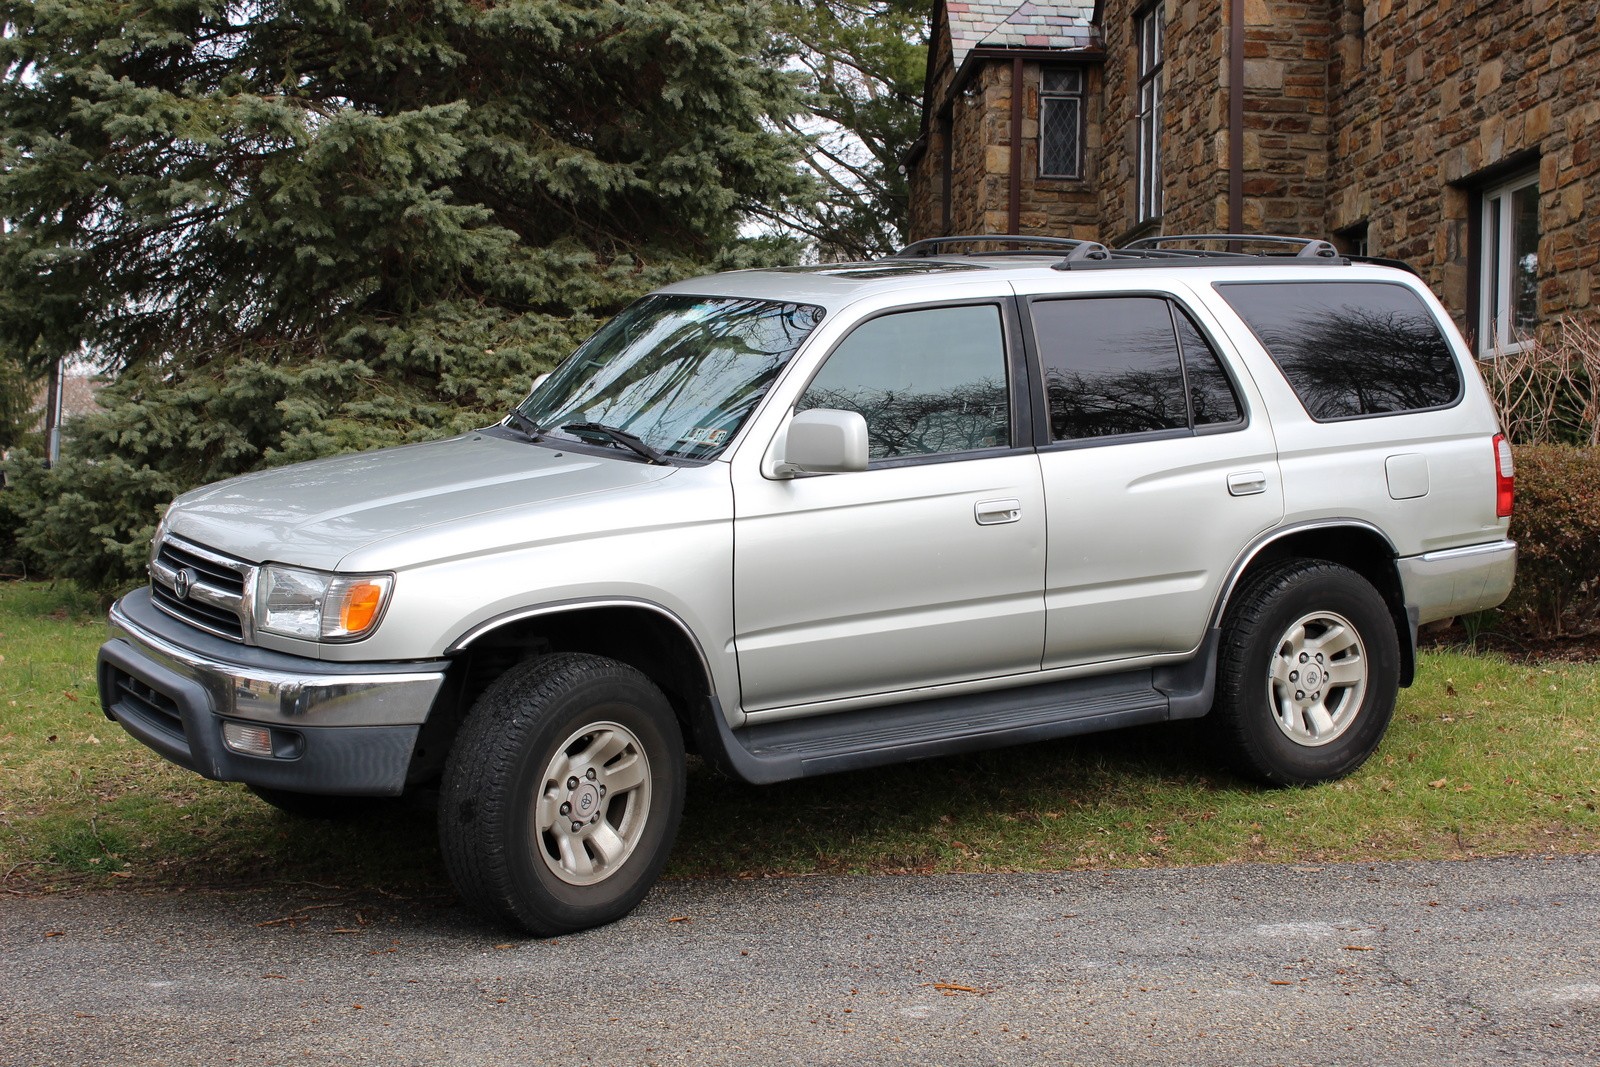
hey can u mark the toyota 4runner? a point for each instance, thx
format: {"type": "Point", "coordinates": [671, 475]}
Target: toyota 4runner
{"type": "Point", "coordinates": [823, 518]}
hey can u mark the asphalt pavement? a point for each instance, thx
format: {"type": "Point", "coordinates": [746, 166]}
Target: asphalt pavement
{"type": "Point", "coordinates": [1461, 963]}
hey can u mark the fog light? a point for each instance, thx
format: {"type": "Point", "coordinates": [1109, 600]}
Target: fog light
{"type": "Point", "coordinates": [250, 740]}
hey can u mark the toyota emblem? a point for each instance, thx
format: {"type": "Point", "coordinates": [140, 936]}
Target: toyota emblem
{"type": "Point", "coordinates": [182, 581]}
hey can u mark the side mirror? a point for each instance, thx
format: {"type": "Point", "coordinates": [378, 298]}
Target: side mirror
{"type": "Point", "coordinates": [824, 441]}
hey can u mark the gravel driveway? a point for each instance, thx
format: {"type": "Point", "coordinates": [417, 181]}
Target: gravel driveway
{"type": "Point", "coordinates": [1474, 962]}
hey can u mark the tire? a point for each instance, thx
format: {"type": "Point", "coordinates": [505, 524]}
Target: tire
{"type": "Point", "coordinates": [553, 740]}
{"type": "Point", "coordinates": [320, 806]}
{"type": "Point", "coordinates": [1308, 673]}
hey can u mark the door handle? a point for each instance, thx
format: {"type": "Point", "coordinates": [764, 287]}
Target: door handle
{"type": "Point", "coordinates": [996, 512]}
{"type": "Point", "coordinates": [1247, 483]}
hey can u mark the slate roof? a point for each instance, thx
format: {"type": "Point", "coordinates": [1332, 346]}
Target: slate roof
{"type": "Point", "coordinates": [1060, 24]}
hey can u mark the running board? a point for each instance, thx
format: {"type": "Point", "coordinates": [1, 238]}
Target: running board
{"type": "Point", "coordinates": [921, 729]}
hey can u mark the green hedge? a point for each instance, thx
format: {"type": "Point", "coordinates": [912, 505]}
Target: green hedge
{"type": "Point", "coordinates": [1556, 524]}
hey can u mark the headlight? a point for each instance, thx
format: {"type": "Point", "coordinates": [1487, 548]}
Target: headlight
{"type": "Point", "coordinates": [160, 535]}
{"type": "Point", "coordinates": [319, 607]}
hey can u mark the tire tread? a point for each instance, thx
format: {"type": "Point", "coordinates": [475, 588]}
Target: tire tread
{"type": "Point", "coordinates": [487, 750]}
{"type": "Point", "coordinates": [1245, 627]}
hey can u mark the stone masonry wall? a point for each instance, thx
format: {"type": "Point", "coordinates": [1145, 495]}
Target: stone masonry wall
{"type": "Point", "coordinates": [1194, 139]}
{"type": "Point", "coordinates": [1119, 80]}
{"type": "Point", "coordinates": [1434, 99]}
{"type": "Point", "coordinates": [980, 182]}
{"type": "Point", "coordinates": [1060, 207]}
{"type": "Point", "coordinates": [1382, 116]}
{"type": "Point", "coordinates": [925, 176]}
{"type": "Point", "coordinates": [1286, 56]}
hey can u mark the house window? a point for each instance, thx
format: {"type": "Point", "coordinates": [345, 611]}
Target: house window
{"type": "Point", "coordinates": [1151, 27]}
{"type": "Point", "coordinates": [1061, 123]}
{"type": "Point", "coordinates": [1352, 240]}
{"type": "Point", "coordinates": [1508, 268]}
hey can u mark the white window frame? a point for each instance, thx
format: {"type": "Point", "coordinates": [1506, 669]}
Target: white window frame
{"type": "Point", "coordinates": [1150, 28]}
{"type": "Point", "coordinates": [1496, 269]}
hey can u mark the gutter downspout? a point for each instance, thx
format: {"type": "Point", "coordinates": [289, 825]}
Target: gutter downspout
{"type": "Point", "coordinates": [1014, 210]}
{"type": "Point", "coordinates": [1236, 116]}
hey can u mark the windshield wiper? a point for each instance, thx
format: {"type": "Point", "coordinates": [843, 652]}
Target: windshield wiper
{"type": "Point", "coordinates": [621, 437]}
{"type": "Point", "coordinates": [526, 426]}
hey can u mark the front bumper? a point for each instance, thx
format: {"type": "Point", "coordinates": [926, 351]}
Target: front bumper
{"type": "Point", "coordinates": [336, 728]}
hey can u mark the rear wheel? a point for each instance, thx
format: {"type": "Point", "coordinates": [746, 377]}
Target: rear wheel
{"type": "Point", "coordinates": [1308, 673]}
{"type": "Point", "coordinates": [562, 794]}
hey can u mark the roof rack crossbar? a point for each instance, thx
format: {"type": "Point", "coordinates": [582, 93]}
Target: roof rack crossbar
{"type": "Point", "coordinates": [930, 245]}
{"type": "Point", "coordinates": [1308, 247]}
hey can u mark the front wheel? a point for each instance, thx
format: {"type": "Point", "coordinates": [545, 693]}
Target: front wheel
{"type": "Point", "coordinates": [1308, 673]}
{"type": "Point", "coordinates": [562, 794]}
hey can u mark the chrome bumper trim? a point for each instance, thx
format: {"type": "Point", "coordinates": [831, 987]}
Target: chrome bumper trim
{"type": "Point", "coordinates": [1458, 581]}
{"type": "Point", "coordinates": [324, 696]}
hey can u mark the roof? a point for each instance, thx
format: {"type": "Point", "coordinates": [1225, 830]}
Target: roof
{"type": "Point", "coordinates": [835, 286]}
{"type": "Point", "coordinates": [1060, 24]}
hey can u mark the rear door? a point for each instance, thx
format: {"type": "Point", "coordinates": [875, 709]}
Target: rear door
{"type": "Point", "coordinates": [1159, 467]}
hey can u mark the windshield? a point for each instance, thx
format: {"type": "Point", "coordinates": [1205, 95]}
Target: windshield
{"type": "Point", "coordinates": [680, 373]}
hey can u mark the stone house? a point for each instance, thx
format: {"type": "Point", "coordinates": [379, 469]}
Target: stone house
{"type": "Point", "coordinates": [1459, 137]}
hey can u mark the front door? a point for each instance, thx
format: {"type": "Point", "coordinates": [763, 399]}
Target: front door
{"type": "Point", "coordinates": [927, 567]}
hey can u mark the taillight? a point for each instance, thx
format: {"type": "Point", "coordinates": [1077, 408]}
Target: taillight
{"type": "Point", "coordinates": [1505, 477]}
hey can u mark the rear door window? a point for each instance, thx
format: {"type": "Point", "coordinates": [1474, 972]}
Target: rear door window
{"type": "Point", "coordinates": [1121, 365]}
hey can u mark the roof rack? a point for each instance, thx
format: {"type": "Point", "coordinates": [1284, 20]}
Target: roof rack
{"type": "Point", "coordinates": [1166, 250]}
{"type": "Point", "coordinates": [1306, 247]}
{"type": "Point", "coordinates": [1077, 250]}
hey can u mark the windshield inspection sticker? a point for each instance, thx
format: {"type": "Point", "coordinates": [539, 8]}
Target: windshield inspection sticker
{"type": "Point", "coordinates": [705, 435]}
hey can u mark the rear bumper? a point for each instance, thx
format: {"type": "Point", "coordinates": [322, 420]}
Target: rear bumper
{"type": "Point", "coordinates": [1458, 581]}
{"type": "Point", "coordinates": [345, 729]}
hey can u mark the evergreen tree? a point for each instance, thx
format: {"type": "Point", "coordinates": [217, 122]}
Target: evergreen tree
{"type": "Point", "coordinates": [17, 389]}
{"type": "Point", "coordinates": [304, 227]}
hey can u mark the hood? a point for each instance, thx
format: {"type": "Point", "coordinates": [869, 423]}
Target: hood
{"type": "Point", "coordinates": [315, 514]}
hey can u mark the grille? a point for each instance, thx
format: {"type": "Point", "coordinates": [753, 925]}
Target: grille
{"type": "Point", "coordinates": [133, 697]}
{"type": "Point", "coordinates": [215, 594]}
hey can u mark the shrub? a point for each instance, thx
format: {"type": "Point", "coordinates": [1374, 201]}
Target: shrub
{"type": "Point", "coordinates": [1556, 525]}
{"type": "Point", "coordinates": [1548, 391]}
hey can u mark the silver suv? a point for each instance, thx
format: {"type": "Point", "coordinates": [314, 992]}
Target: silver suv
{"type": "Point", "coordinates": [823, 518]}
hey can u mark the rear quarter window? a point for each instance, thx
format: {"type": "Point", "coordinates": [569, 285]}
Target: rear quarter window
{"type": "Point", "coordinates": [1350, 349]}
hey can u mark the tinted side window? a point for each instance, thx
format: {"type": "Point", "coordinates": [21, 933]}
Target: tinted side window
{"type": "Point", "coordinates": [927, 382]}
{"type": "Point", "coordinates": [1350, 348]}
{"type": "Point", "coordinates": [1111, 366]}
{"type": "Point", "coordinates": [1211, 395]}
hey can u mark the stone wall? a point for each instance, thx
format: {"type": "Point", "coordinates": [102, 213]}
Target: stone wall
{"type": "Point", "coordinates": [1435, 99]}
{"type": "Point", "coordinates": [1385, 117]}
{"type": "Point", "coordinates": [1061, 207]}
{"type": "Point", "coordinates": [925, 175]}
{"type": "Point", "coordinates": [1286, 56]}
{"type": "Point", "coordinates": [1195, 138]}
{"type": "Point", "coordinates": [981, 184]}
{"type": "Point", "coordinates": [979, 127]}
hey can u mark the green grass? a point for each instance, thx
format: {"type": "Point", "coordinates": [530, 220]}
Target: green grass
{"type": "Point", "coordinates": [1485, 757]}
